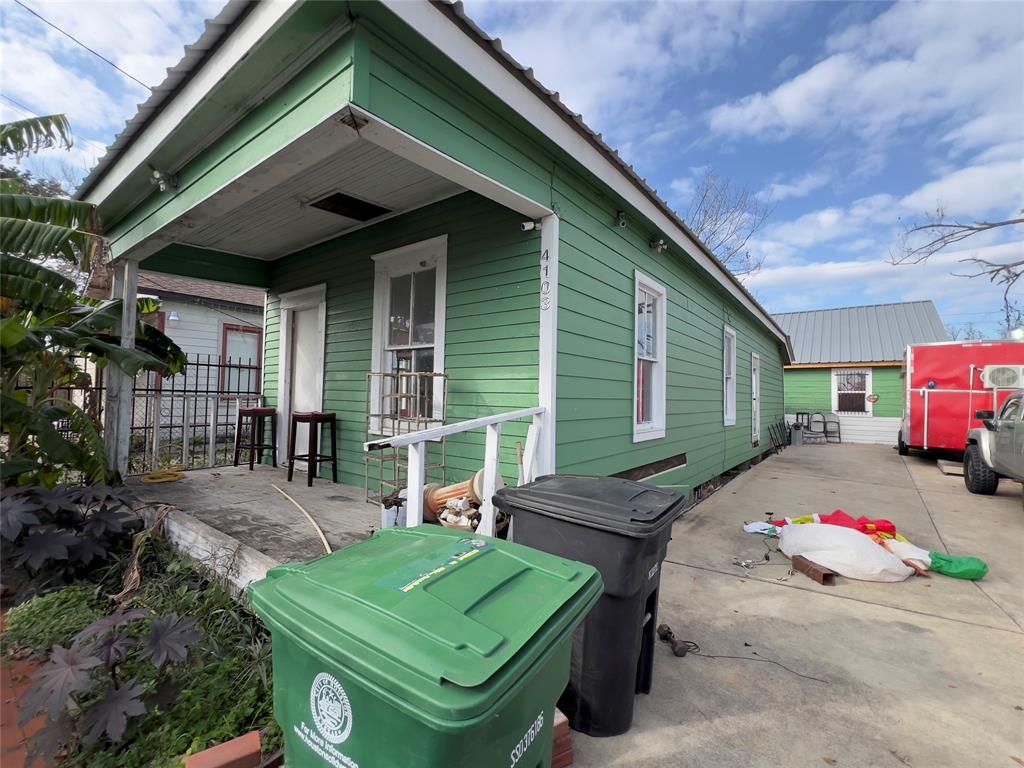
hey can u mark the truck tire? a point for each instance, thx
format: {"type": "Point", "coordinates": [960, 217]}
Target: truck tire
{"type": "Point", "coordinates": [978, 477]}
{"type": "Point", "coordinates": [901, 448]}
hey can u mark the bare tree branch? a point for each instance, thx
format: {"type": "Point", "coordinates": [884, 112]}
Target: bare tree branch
{"type": "Point", "coordinates": [920, 241]}
{"type": "Point", "coordinates": [725, 217]}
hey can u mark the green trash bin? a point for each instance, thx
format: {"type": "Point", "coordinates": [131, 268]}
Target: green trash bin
{"type": "Point", "coordinates": [423, 647]}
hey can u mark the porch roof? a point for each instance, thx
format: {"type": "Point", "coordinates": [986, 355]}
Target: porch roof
{"type": "Point", "coordinates": [446, 26]}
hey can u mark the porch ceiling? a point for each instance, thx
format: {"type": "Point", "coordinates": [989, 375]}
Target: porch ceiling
{"type": "Point", "coordinates": [281, 220]}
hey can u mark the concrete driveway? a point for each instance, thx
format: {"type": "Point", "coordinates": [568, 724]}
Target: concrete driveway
{"type": "Point", "coordinates": [929, 672]}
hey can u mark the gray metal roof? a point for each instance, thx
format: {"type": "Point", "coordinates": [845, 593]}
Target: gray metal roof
{"type": "Point", "coordinates": [214, 32]}
{"type": "Point", "coordinates": [877, 333]}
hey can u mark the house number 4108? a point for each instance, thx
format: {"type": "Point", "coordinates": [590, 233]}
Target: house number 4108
{"type": "Point", "coordinates": [545, 282]}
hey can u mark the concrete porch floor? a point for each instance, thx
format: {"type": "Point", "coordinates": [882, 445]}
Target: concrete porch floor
{"type": "Point", "coordinates": [232, 512]}
{"type": "Point", "coordinates": [929, 672]}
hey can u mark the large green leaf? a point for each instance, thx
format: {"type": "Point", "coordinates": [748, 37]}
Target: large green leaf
{"type": "Point", "coordinates": [35, 133]}
{"type": "Point", "coordinates": [29, 284]}
{"type": "Point", "coordinates": [60, 211]}
{"type": "Point", "coordinates": [16, 465]}
{"type": "Point", "coordinates": [101, 319]}
{"type": "Point", "coordinates": [146, 305]}
{"type": "Point", "coordinates": [131, 361]}
{"type": "Point", "coordinates": [12, 332]}
{"type": "Point", "coordinates": [39, 239]}
{"type": "Point", "coordinates": [160, 345]}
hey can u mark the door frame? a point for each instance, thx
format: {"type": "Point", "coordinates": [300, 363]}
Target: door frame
{"type": "Point", "coordinates": [755, 396]}
{"type": "Point", "coordinates": [303, 298]}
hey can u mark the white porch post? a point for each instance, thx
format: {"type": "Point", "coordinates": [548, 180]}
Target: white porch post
{"type": "Point", "coordinates": [548, 363]}
{"type": "Point", "coordinates": [492, 459]}
{"type": "Point", "coordinates": [119, 397]}
{"type": "Point", "coordinates": [414, 482]}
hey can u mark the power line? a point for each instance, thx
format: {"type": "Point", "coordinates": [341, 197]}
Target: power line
{"type": "Point", "coordinates": [18, 105]}
{"type": "Point", "coordinates": [90, 50]}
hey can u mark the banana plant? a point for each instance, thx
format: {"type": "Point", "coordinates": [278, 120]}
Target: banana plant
{"type": "Point", "coordinates": [37, 227]}
{"type": "Point", "coordinates": [46, 332]}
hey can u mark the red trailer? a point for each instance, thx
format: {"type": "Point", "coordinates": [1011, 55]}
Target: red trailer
{"type": "Point", "coordinates": [946, 382]}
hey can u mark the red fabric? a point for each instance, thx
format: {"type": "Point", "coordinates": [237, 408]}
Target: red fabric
{"type": "Point", "coordinates": [862, 523]}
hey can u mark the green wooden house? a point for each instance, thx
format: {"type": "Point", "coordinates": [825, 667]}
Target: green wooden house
{"type": "Point", "coordinates": [416, 204]}
{"type": "Point", "coordinates": [848, 361]}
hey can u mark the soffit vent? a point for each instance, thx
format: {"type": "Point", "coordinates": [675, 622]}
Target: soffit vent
{"type": "Point", "coordinates": [349, 207]}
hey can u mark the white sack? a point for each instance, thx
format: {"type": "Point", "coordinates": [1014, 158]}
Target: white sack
{"type": "Point", "coordinates": [848, 552]}
{"type": "Point", "coordinates": [906, 551]}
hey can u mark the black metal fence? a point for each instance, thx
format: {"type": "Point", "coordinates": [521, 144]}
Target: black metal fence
{"type": "Point", "coordinates": [188, 418]}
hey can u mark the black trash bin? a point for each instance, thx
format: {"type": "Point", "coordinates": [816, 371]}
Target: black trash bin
{"type": "Point", "coordinates": [622, 528]}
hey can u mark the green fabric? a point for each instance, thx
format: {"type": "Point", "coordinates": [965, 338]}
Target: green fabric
{"type": "Point", "coordinates": [971, 568]}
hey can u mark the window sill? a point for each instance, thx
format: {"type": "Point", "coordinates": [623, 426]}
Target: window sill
{"type": "Point", "coordinates": [730, 423]}
{"type": "Point", "coordinates": [649, 433]}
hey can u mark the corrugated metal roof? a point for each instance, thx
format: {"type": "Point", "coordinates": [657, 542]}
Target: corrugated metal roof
{"type": "Point", "coordinates": [214, 32]}
{"type": "Point", "coordinates": [218, 28]}
{"type": "Point", "coordinates": [876, 333]}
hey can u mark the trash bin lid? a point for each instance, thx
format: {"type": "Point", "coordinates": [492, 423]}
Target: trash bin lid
{"type": "Point", "coordinates": [609, 503]}
{"type": "Point", "coordinates": [444, 620]}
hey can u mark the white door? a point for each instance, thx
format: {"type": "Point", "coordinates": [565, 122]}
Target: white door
{"type": "Point", "coordinates": [755, 398]}
{"type": "Point", "coordinates": [305, 369]}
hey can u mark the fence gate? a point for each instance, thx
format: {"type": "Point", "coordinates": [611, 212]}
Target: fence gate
{"type": "Point", "coordinates": [190, 418]}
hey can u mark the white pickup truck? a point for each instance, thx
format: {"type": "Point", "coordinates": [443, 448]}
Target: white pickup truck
{"type": "Point", "coordinates": [997, 449]}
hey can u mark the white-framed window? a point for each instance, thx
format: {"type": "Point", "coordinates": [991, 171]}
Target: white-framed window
{"type": "Point", "coordinates": [729, 375]}
{"type": "Point", "coordinates": [409, 304]}
{"type": "Point", "coordinates": [850, 390]}
{"type": "Point", "coordinates": [755, 398]}
{"type": "Point", "coordinates": [650, 362]}
{"type": "Point", "coordinates": [241, 357]}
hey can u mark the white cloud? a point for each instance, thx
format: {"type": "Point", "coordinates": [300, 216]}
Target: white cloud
{"type": "Point", "coordinates": [34, 78]}
{"type": "Point", "coordinates": [798, 187]}
{"type": "Point", "coordinates": [683, 189]}
{"type": "Point", "coordinates": [973, 191]}
{"type": "Point", "coordinates": [787, 66]}
{"type": "Point", "coordinates": [607, 59]}
{"type": "Point", "coordinates": [913, 63]}
{"type": "Point", "coordinates": [792, 287]}
{"type": "Point", "coordinates": [49, 73]}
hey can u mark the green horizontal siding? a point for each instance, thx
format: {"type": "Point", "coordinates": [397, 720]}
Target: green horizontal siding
{"type": "Point", "coordinates": [808, 389]}
{"type": "Point", "coordinates": [887, 383]}
{"type": "Point", "coordinates": [598, 262]}
{"type": "Point", "coordinates": [491, 323]}
{"type": "Point", "coordinates": [414, 88]}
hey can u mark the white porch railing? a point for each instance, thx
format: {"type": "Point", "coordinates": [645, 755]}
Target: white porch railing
{"type": "Point", "coordinates": [416, 444]}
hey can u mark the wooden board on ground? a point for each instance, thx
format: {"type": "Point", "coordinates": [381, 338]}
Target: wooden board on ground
{"type": "Point", "coordinates": [950, 467]}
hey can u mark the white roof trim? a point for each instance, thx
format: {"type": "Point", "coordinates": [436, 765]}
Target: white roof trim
{"type": "Point", "coordinates": [263, 19]}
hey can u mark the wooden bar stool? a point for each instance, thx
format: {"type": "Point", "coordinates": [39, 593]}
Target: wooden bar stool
{"type": "Point", "coordinates": [313, 457]}
{"type": "Point", "coordinates": [252, 420]}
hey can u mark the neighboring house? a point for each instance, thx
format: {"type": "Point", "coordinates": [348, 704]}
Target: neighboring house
{"type": "Point", "coordinates": [848, 361]}
{"type": "Point", "coordinates": [224, 322]}
{"type": "Point", "coordinates": [415, 202]}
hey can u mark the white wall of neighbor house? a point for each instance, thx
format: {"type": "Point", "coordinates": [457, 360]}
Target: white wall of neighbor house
{"type": "Point", "coordinates": [879, 430]}
{"type": "Point", "coordinates": [199, 329]}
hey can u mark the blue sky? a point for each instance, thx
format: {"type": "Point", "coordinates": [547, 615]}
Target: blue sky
{"type": "Point", "coordinates": [849, 117]}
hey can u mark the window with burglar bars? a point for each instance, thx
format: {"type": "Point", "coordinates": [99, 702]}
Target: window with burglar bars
{"type": "Point", "coordinates": [851, 391]}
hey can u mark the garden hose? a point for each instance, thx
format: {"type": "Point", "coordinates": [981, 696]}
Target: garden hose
{"type": "Point", "coordinates": [169, 474]}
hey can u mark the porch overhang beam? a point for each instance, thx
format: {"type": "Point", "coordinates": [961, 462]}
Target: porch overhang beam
{"type": "Point", "coordinates": [206, 264]}
{"type": "Point", "coordinates": [395, 140]}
